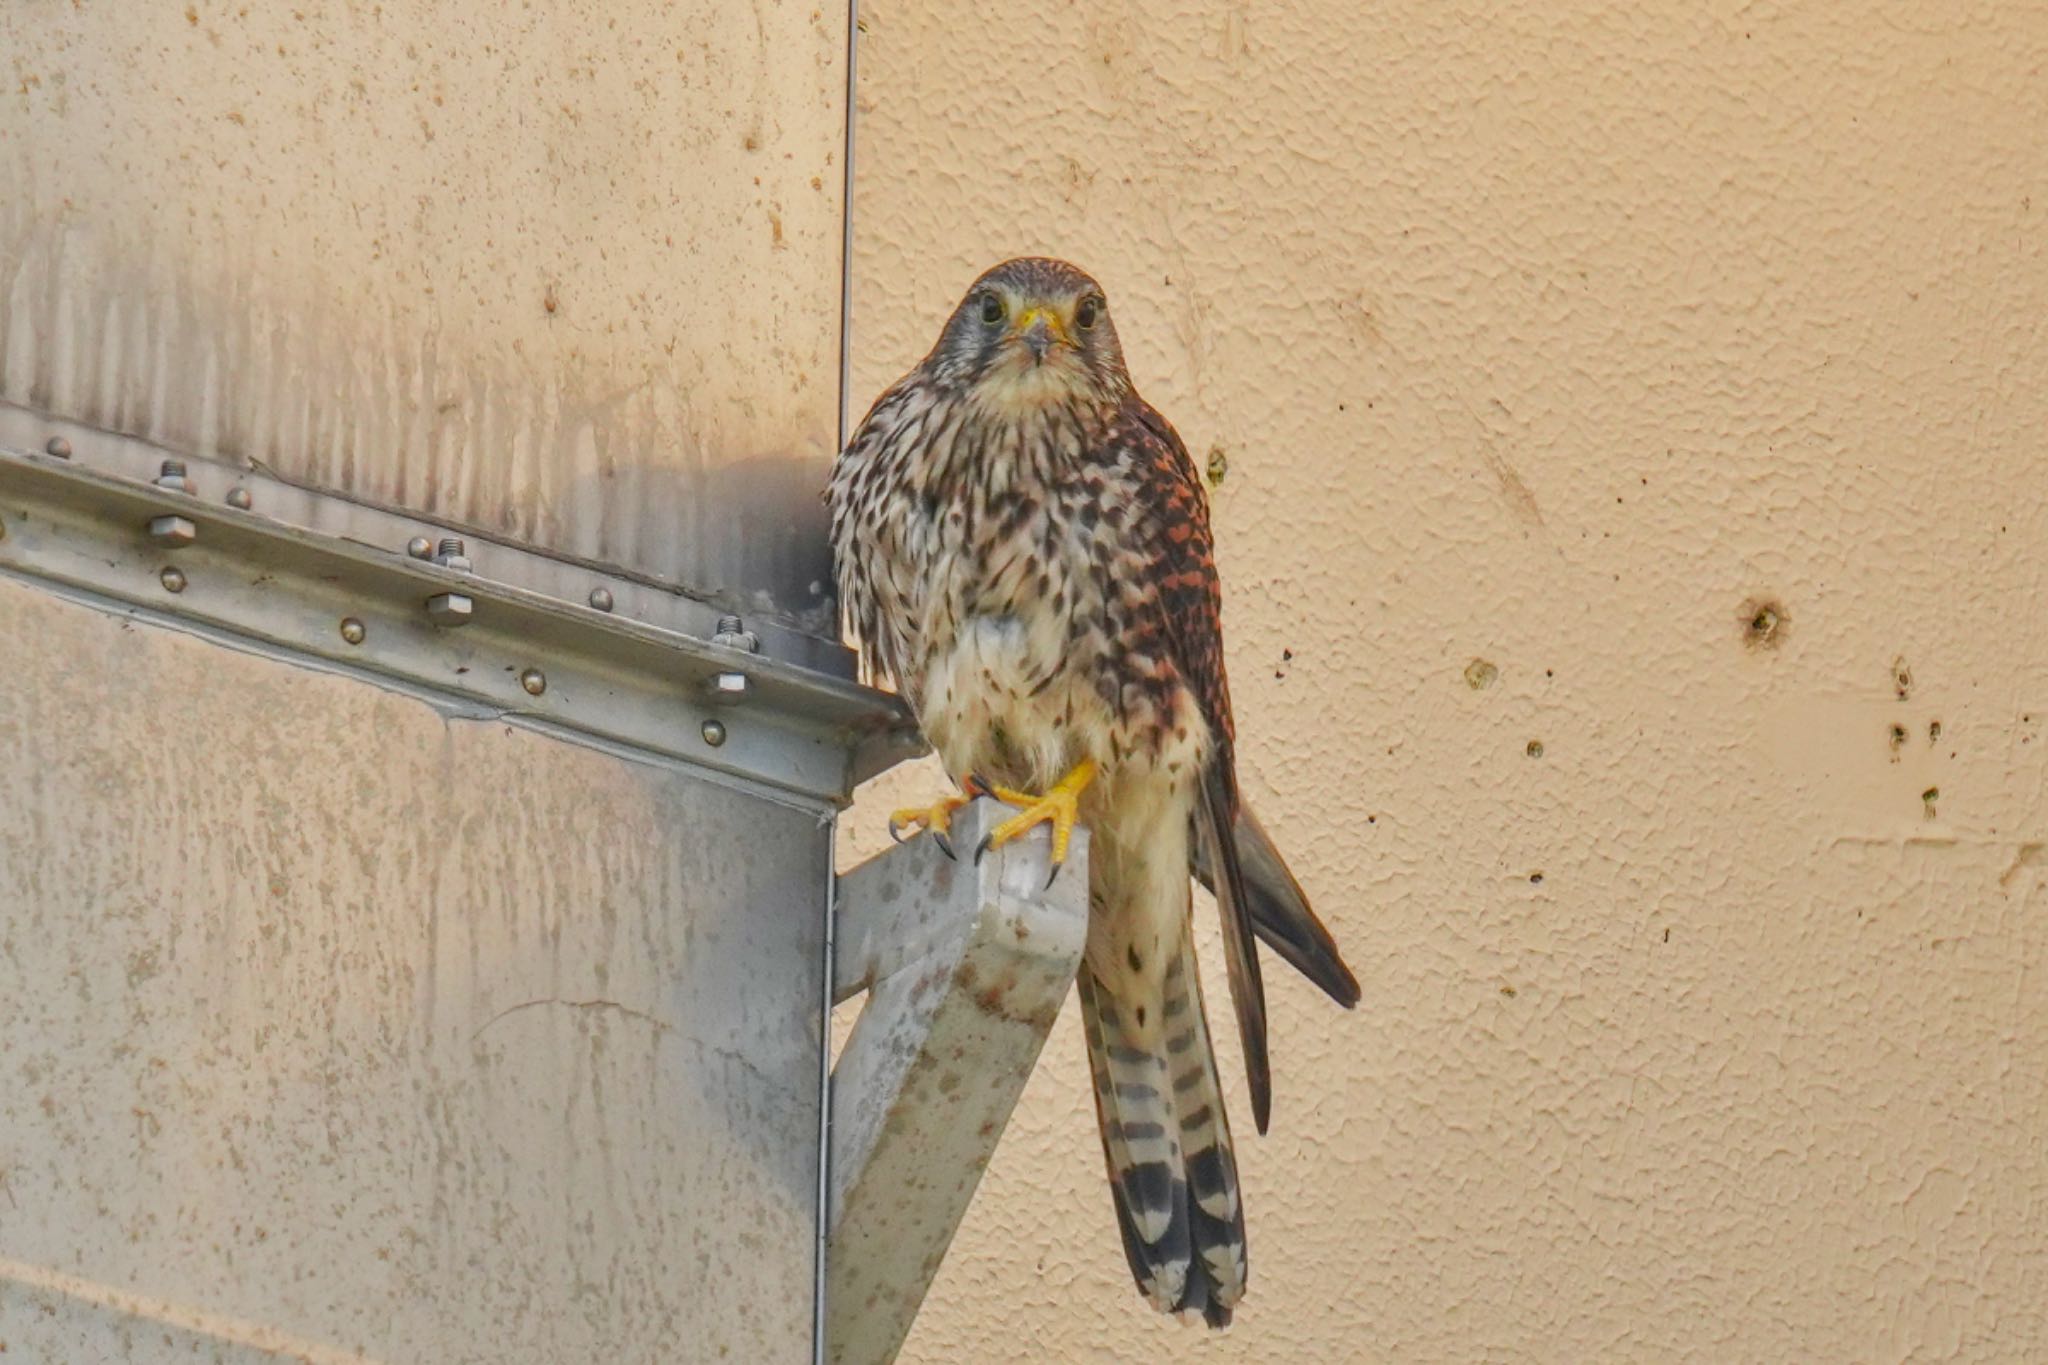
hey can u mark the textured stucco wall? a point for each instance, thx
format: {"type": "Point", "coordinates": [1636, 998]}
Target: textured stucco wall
{"type": "Point", "coordinates": [1563, 337]}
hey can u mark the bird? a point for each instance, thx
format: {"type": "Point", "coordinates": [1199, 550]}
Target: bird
{"type": "Point", "coordinates": [1023, 550]}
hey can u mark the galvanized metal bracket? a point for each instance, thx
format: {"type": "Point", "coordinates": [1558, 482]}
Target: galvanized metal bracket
{"type": "Point", "coordinates": [966, 966]}
{"type": "Point", "coordinates": [491, 627]}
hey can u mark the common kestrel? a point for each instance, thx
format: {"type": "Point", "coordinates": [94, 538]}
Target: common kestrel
{"type": "Point", "coordinates": [1023, 548]}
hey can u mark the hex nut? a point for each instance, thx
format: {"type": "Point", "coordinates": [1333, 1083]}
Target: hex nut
{"type": "Point", "coordinates": [451, 609]}
{"type": "Point", "coordinates": [172, 531]}
{"type": "Point", "coordinates": [729, 686]}
{"type": "Point", "coordinates": [733, 634]}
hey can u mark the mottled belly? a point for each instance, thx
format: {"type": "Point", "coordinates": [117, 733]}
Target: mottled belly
{"type": "Point", "coordinates": [1004, 698]}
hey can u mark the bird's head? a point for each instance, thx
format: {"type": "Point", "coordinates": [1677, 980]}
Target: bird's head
{"type": "Point", "coordinates": [1031, 332]}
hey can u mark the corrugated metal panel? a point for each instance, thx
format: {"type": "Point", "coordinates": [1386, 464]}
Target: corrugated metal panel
{"type": "Point", "coordinates": [397, 1033]}
{"type": "Point", "coordinates": [567, 274]}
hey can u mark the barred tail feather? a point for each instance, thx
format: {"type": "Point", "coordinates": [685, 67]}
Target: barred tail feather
{"type": "Point", "coordinates": [1167, 1144]}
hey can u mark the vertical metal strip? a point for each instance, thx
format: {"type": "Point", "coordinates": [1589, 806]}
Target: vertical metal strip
{"type": "Point", "coordinates": [832, 828]}
{"type": "Point", "coordinates": [846, 232]}
{"type": "Point", "coordinates": [825, 1092]}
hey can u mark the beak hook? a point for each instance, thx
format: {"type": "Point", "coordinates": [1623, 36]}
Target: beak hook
{"type": "Point", "coordinates": [1038, 336]}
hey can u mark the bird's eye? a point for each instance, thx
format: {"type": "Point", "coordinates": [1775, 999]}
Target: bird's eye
{"type": "Point", "coordinates": [1088, 313]}
{"type": "Point", "coordinates": [991, 309]}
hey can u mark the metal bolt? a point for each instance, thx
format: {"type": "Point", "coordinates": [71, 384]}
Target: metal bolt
{"type": "Point", "coordinates": [729, 686]}
{"type": "Point", "coordinates": [601, 598]}
{"type": "Point", "coordinates": [59, 447]}
{"type": "Point", "coordinates": [713, 732]}
{"type": "Point", "coordinates": [419, 547]}
{"type": "Point", "coordinates": [173, 579]}
{"type": "Point", "coordinates": [450, 609]}
{"type": "Point", "coordinates": [239, 499]}
{"type": "Point", "coordinates": [172, 476]}
{"type": "Point", "coordinates": [451, 554]}
{"type": "Point", "coordinates": [534, 681]}
{"type": "Point", "coordinates": [352, 630]}
{"type": "Point", "coordinates": [733, 634]}
{"type": "Point", "coordinates": [172, 532]}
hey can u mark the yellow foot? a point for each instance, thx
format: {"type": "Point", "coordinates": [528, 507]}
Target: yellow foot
{"type": "Point", "coordinates": [937, 817]}
{"type": "Point", "coordinates": [1061, 806]}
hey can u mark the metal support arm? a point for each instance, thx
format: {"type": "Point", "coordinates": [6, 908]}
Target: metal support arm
{"type": "Point", "coordinates": [966, 967]}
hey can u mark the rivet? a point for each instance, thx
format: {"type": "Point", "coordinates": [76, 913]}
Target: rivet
{"type": "Point", "coordinates": [172, 531]}
{"type": "Point", "coordinates": [713, 732]}
{"type": "Point", "coordinates": [419, 547]}
{"type": "Point", "coordinates": [173, 579]}
{"type": "Point", "coordinates": [601, 598]}
{"type": "Point", "coordinates": [534, 681]}
{"type": "Point", "coordinates": [451, 609]}
{"type": "Point", "coordinates": [239, 499]}
{"type": "Point", "coordinates": [352, 630]}
{"type": "Point", "coordinates": [59, 447]}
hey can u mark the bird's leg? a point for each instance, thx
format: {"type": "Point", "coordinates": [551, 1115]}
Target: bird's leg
{"type": "Point", "coordinates": [937, 817]}
{"type": "Point", "coordinates": [1061, 806]}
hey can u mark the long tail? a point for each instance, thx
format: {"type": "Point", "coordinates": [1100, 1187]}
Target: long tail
{"type": "Point", "coordinates": [1167, 1143]}
{"type": "Point", "coordinates": [1280, 912]}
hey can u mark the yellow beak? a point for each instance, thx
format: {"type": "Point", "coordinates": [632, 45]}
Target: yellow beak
{"type": "Point", "coordinates": [1040, 327]}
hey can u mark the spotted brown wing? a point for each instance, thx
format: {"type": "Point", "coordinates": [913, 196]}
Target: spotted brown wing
{"type": "Point", "coordinates": [1174, 533]}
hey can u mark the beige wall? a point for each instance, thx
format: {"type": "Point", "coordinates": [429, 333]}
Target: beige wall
{"type": "Point", "coordinates": [1560, 337]}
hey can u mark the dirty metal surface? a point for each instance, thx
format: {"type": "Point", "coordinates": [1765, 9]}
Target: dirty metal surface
{"type": "Point", "coordinates": [567, 274]}
{"type": "Point", "coordinates": [337, 1026]}
{"type": "Point", "coordinates": [516, 649]}
{"type": "Point", "coordinates": [965, 966]}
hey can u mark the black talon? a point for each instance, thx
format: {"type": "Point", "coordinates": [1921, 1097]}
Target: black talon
{"type": "Point", "coordinates": [981, 848]}
{"type": "Point", "coordinates": [895, 832]}
{"type": "Point", "coordinates": [977, 785]}
{"type": "Point", "coordinates": [945, 844]}
{"type": "Point", "coordinates": [1052, 876]}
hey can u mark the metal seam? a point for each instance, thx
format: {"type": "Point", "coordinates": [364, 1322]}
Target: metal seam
{"type": "Point", "coordinates": [832, 831]}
